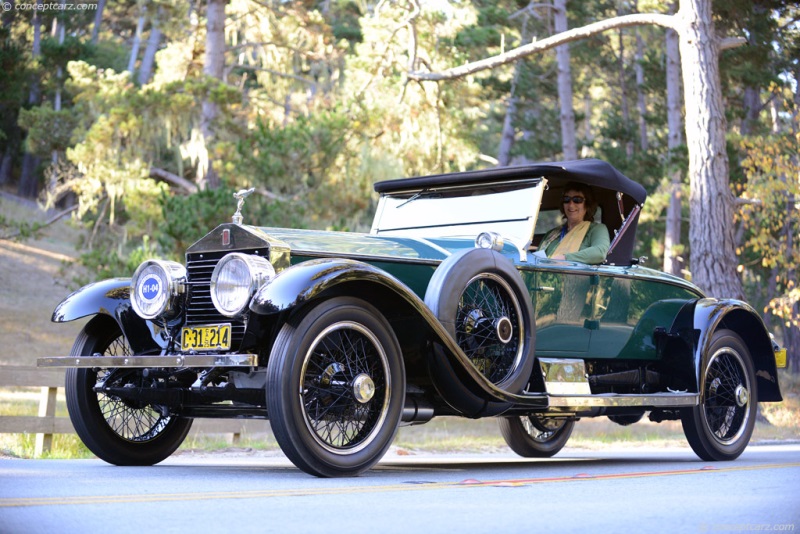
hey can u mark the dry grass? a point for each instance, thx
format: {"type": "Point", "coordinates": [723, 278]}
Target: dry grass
{"type": "Point", "coordinates": [31, 285]}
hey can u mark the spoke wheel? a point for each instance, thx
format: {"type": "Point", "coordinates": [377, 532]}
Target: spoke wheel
{"type": "Point", "coordinates": [489, 327]}
{"type": "Point", "coordinates": [721, 426]}
{"type": "Point", "coordinates": [335, 388]}
{"type": "Point", "coordinates": [121, 432]}
{"type": "Point", "coordinates": [533, 436]}
{"type": "Point", "coordinates": [482, 301]}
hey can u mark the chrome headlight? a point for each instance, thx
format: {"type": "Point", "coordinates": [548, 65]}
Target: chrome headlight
{"type": "Point", "coordinates": [235, 280]}
{"type": "Point", "coordinates": [490, 240]}
{"type": "Point", "coordinates": [154, 286]}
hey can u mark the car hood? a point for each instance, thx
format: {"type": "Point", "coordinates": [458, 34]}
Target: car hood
{"type": "Point", "coordinates": [316, 243]}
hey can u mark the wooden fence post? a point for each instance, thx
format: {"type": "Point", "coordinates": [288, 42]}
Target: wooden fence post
{"type": "Point", "coordinates": [47, 408]}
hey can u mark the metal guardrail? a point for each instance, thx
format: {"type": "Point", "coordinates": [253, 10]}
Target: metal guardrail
{"type": "Point", "coordinates": [46, 423]}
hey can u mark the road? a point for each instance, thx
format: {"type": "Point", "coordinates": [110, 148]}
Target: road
{"type": "Point", "coordinates": [630, 490]}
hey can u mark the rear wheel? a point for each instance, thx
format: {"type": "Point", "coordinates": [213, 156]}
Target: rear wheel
{"type": "Point", "coordinates": [335, 387]}
{"type": "Point", "coordinates": [721, 426]}
{"type": "Point", "coordinates": [533, 436]}
{"type": "Point", "coordinates": [120, 432]}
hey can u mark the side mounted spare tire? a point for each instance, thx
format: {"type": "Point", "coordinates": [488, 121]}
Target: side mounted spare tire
{"type": "Point", "coordinates": [480, 298]}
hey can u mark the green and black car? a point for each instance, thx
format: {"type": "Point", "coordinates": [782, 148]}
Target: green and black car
{"type": "Point", "coordinates": [442, 309]}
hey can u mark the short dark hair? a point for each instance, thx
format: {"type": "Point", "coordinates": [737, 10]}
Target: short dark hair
{"type": "Point", "coordinates": [588, 194]}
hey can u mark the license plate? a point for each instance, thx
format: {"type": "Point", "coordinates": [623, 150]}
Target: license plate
{"type": "Point", "coordinates": [208, 337]}
{"type": "Point", "coordinates": [780, 358]}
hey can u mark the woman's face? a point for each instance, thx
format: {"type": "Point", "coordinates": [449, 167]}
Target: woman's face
{"type": "Point", "coordinates": [574, 211]}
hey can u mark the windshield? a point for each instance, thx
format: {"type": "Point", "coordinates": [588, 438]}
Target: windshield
{"type": "Point", "coordinates": [507, 208]}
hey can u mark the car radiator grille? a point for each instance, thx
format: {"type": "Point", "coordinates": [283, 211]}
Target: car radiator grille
{"type": "Point", "coordinates": [200, 309]}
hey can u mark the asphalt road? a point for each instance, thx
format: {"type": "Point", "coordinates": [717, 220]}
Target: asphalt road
{"type": "Point", "coordinates": [630, 490]}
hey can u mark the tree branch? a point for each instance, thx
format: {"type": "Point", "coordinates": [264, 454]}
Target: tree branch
{"type": "Point", "coordinates": [47, 223]}
{"type": "Point", "coordinates": [731, 42]}
{"type": "Point", "coordinates": [638, 19]}
{"type": "Point", "coordinates": [174, 179]}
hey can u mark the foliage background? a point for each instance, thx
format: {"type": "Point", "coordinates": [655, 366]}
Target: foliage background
{"type": "Point", "coordinates": [314, 106]}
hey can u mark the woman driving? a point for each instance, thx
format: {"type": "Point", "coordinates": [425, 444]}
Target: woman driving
{"type": "Point", "coordinates": [579, 238]}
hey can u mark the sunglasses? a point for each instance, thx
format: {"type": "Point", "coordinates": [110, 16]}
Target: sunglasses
{"type": "Point", "coordinates": [577, 200]}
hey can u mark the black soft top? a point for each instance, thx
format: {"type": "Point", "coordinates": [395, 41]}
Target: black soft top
{"type": "Point", "coordinates": [593, 172]}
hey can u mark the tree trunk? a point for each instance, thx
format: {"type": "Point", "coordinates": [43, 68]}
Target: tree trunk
{"type": "Point", "coordinates": [213, 67]}
{"type": "Point", "coordinates": [508, 133]}
{"type": "Point", "coordinates": [153, 42]}
{"type": "Point", "coordinates": [640, 99]}
{"type": "Point", "coordinates": [28, 181]}
{"type": "Point", "coordinates": [587, 118]}
{"type": "Point", "coordinates": [137, 41]}
{"type": "Point", "coordinates": [98, 19]}
{"type": "Point", "coordinates": [623, 87]}
{"type": "Point", "coordinates": [569, 145]}
{"type": "Point", "coordinates": [5, 166]}
{"type": "Point", "coordinates": [713, 257]}
{"type": "Point", "coordinates": [61, 30]}
{"type": "Point", "coordinates": [752, 109]}
{"type": "Point", "coordinates": [673, 263]}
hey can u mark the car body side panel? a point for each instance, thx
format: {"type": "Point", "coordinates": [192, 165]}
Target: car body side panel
{"type": "Point", "coordinates": [112, 297]}
{"type": "Point", "coordinates": [599, 312]}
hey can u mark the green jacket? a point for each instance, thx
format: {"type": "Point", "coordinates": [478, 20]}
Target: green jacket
{"type": "Point", "coordinates": [594, 246]}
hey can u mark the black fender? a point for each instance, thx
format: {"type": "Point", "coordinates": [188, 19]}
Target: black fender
{"type": "Point", "coordinates": [112, 298]}
{"type": "Point", "coordinates": [310, 280]}
{"type": "Point", "coordinates": [307, 281]}
{"type": "Point", "coordinates": [711, 314]}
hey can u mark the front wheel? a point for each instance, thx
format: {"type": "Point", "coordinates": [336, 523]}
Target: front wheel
{"type": "Point", "coordinates": [120, 432]}
{"type": "Point", "coordinates": [533, 436]}
{"type": "Point", "coordinates": [720, 427]}
{"type": "Point", "coordinates": [335, 387]}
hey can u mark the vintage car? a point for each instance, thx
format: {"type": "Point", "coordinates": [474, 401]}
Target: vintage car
{"type": "Point", "coordinates": [442, 309]}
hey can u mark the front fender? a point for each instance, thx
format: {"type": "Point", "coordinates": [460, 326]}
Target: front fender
{"type": "Point", "coordinates": [306, 281]}
{"type": "Point", "coordinates": [711, 314]}
{"type": "Point", "coordinates": [112, 297]}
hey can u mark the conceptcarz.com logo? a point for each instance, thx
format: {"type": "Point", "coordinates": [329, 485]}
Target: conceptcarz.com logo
{"type": "Point", "coordinates": [48, 6]}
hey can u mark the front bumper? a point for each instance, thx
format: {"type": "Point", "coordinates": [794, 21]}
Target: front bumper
{"type": "Point", "coordinates": [173, 360]}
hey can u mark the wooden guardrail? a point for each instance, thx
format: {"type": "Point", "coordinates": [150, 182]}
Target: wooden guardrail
{"type": "Point", "coordinates": [46, 423]}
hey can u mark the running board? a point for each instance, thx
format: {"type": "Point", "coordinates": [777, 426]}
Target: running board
{"type": "Point", "coordinates": [173, 360]}
{"type": "Point", "coordinates": [612, 400]}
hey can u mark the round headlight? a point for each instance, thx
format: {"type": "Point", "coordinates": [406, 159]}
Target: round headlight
{"type": "Point", "coordinates": [154, 286]}
{"type": "Point", "coordinates": [490, 240]}
{"type": "Point", "coordinates": [235, 280]}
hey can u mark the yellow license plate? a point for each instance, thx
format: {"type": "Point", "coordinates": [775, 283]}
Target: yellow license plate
{"type": "Point", "coordinates": [780, 358]}
{"type": "Point", "coordinates": [208, 337]}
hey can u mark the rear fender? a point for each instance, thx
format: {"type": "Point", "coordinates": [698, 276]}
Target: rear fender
{"type": "Point", "coordinates": [112, 298]}
{"type": "Point", "coordinates": [740, 317]}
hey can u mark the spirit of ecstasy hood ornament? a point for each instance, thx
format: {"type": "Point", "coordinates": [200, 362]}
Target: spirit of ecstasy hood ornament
{"type": "Point", "coordinates": [240, 196]}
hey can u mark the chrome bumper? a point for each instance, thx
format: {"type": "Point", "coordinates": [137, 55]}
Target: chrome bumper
{"type": "Point", "coordinates": [173, 360]}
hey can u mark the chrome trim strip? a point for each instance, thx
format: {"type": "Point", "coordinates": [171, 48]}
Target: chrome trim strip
{"type": "Point", "coordinates": [365, 257]}
{"type": "Point", "coordinates": [172, 360]}
{"type": "Point", "coordinates": [611, 400]}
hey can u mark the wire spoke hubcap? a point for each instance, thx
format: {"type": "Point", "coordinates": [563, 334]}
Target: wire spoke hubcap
{"type": "Point", "coordinates": [345, 387]}
{"type": "Point", "coordinates": [727, 403]}
{"type": "Point", "coordinates": [489, 327]}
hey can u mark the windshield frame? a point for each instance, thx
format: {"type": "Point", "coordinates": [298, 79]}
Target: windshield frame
{"type": "Point", "coordinates": [508, 208]}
